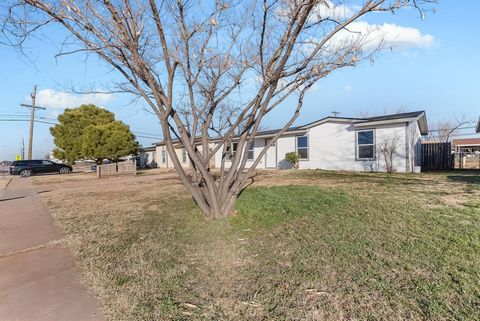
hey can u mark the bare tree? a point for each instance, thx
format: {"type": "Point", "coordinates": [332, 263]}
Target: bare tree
{"type": "Point", "coordinates": [189, 58]}
{"type": "Point", "coordinates": [444, 129]}
{"type": "Point", "coordinates": [388, 150]}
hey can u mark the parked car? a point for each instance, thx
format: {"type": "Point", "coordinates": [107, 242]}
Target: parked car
{"type": "Point", "coordinates": [26, 168]}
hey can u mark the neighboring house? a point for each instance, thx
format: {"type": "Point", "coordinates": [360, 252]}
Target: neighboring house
{"type": "Point", "coordinates": [333, 143]}
{"type": "Point", "coordinates": [466, 145]}
{"type": "Point", "coordinates": [148, 155]}
{"type": "Point", "coordinates": [467, 152]}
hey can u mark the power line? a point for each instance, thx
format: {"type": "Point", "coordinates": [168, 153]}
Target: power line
{"type": "Point", "coordinates": [36, 120]}
{"type": "Point", "coordinates": [138, 134]}
{"type": "Point", "coordinates": [53, 121]}
{"type": "Point", "coordinates": [445, 129]}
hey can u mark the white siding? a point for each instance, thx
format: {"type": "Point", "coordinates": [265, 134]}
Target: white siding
{"type": "Point", "coordinates": [259, 144]}
{"type": "Point", "coordinates": [159, 156]}
{"type": "Point", "coordinates": [414, 144]}
{"type": "Point", "coordinates": [284, 145]}
{"type": "Point", "coordinates": [388, 132]}
{"type": "Point", "coordinates": [332, 146]}
{"type": "Point", "coordinates": [169, 163]}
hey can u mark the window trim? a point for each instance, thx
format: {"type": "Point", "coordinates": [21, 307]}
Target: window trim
{"type": "Point", "coordinates": [251, 148]}
{"type": "Point", "coordinates": [184, 156]}
{"type": "Point", "coordinates": [374, 144]}
{"type": "Point", "coordinates": [232, 151]}
{"type": "Point", "coordinates": [308, 148]}
{"type": "Point", "coordinates": [164, 156]}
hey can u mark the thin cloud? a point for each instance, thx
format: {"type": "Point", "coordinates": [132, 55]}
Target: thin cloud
{"type": "Point", "coordinates": [387, 35]}
{"type": "Point", "coordinates": [328, 9]}
{"type": "Point", "coordinates": [366, 35]}
{"type": "Point", "coordinates": [60, 100]}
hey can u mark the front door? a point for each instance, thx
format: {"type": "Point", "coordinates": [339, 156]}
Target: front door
{"type": "Point", "coordinates": [271, 155]}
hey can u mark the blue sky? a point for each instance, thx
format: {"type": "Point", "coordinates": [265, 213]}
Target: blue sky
{"type": "Point", "coordinates": [441, 77]}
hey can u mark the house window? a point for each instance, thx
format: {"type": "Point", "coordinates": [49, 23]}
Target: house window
{"type": "Point", "coordinates": [164, 156]}
{"type": "Point", "coordinates": [233, 149]}
{"type": "Point", "coordinates": [184, 155]}
{"type": "Point", "coordinates": [302, 147]}
{"type": "Point", "coordinates": [154, 156]}
{"type": "Point", "coordinates": [250, 150]}
{"type": "Point", "coordinates": [365, 144]}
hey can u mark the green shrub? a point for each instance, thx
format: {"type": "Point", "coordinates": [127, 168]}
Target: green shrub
{"type": "Point", "coordinates": [293, 158]}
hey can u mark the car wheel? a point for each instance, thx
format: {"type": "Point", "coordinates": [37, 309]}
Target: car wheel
{"type": "Point", "coordinates": [65, 170]}
{"type": "Point", "coordinates": [26, 173]}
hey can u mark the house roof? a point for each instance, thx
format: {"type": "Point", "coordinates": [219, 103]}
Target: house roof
{"type": "Point", "coordinates": [147, 149]}
{"type": "Point", "coordinates": [466, 142]}
{"type": "Point", "coordinates": [412, 114]}
{"type": "Point", "coordinates": [359, 122]}
{"type": "Point", "coordinates": [274, 131]}
{"type": "Point", "coordinates": [376, 120]}
{"type": "Point", "coordinates": [418, 116]}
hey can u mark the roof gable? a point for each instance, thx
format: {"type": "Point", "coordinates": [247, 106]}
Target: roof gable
{"type": "Point", "coordinates": [418, 116]}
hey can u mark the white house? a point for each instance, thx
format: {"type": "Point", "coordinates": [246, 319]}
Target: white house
{"type": "Point", "coordinates": [334, 143]}
{"type": "Point", "coordinates": [148, 155]}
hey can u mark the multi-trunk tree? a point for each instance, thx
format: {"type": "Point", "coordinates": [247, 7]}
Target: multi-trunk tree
{"type": "Point", "coordinates": [193, 60]}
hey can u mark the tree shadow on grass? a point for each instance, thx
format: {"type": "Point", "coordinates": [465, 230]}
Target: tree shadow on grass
{"type": "Point", "coordinates": [470, 177]}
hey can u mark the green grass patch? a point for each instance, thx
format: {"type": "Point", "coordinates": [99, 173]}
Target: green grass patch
{"type": "Point", "coordinates": [269, 206]}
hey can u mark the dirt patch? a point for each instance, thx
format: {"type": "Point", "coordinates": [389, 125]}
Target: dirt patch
{"type": "Point", "coordinates": [4, 181]}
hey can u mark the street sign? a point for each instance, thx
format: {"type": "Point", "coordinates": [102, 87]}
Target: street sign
{"type": "Point", "coordinates": [18, 157]}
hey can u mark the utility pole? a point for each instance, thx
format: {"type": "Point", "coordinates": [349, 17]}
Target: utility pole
{"type": "Point", "coordinates": [32, 119]}
{"type": "Point", "coordinates": [23, 149]}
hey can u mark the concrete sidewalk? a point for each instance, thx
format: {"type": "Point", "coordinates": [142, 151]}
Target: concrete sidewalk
{"type": "Point", "coordinates": [37, 277]}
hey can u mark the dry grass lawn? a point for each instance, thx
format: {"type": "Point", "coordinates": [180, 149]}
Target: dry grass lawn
{"type": "Point", "coordinates": [304, 245]}
{"type": "Point", "coordinates": [89, 176]}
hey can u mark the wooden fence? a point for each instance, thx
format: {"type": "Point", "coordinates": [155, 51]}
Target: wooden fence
{"type": "Point", "coordinates": [128, 167]}
{"type": "Point", "coordinates": [437, 156]}
{"type": "Point", "coordinates": [82, 168]}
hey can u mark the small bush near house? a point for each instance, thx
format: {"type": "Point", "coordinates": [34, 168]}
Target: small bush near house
{"type": "Point", "coordinates": [293, 158]}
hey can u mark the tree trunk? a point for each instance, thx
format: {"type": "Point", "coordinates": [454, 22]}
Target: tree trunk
{"type": "Point", "coordinates": [224, 207]}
